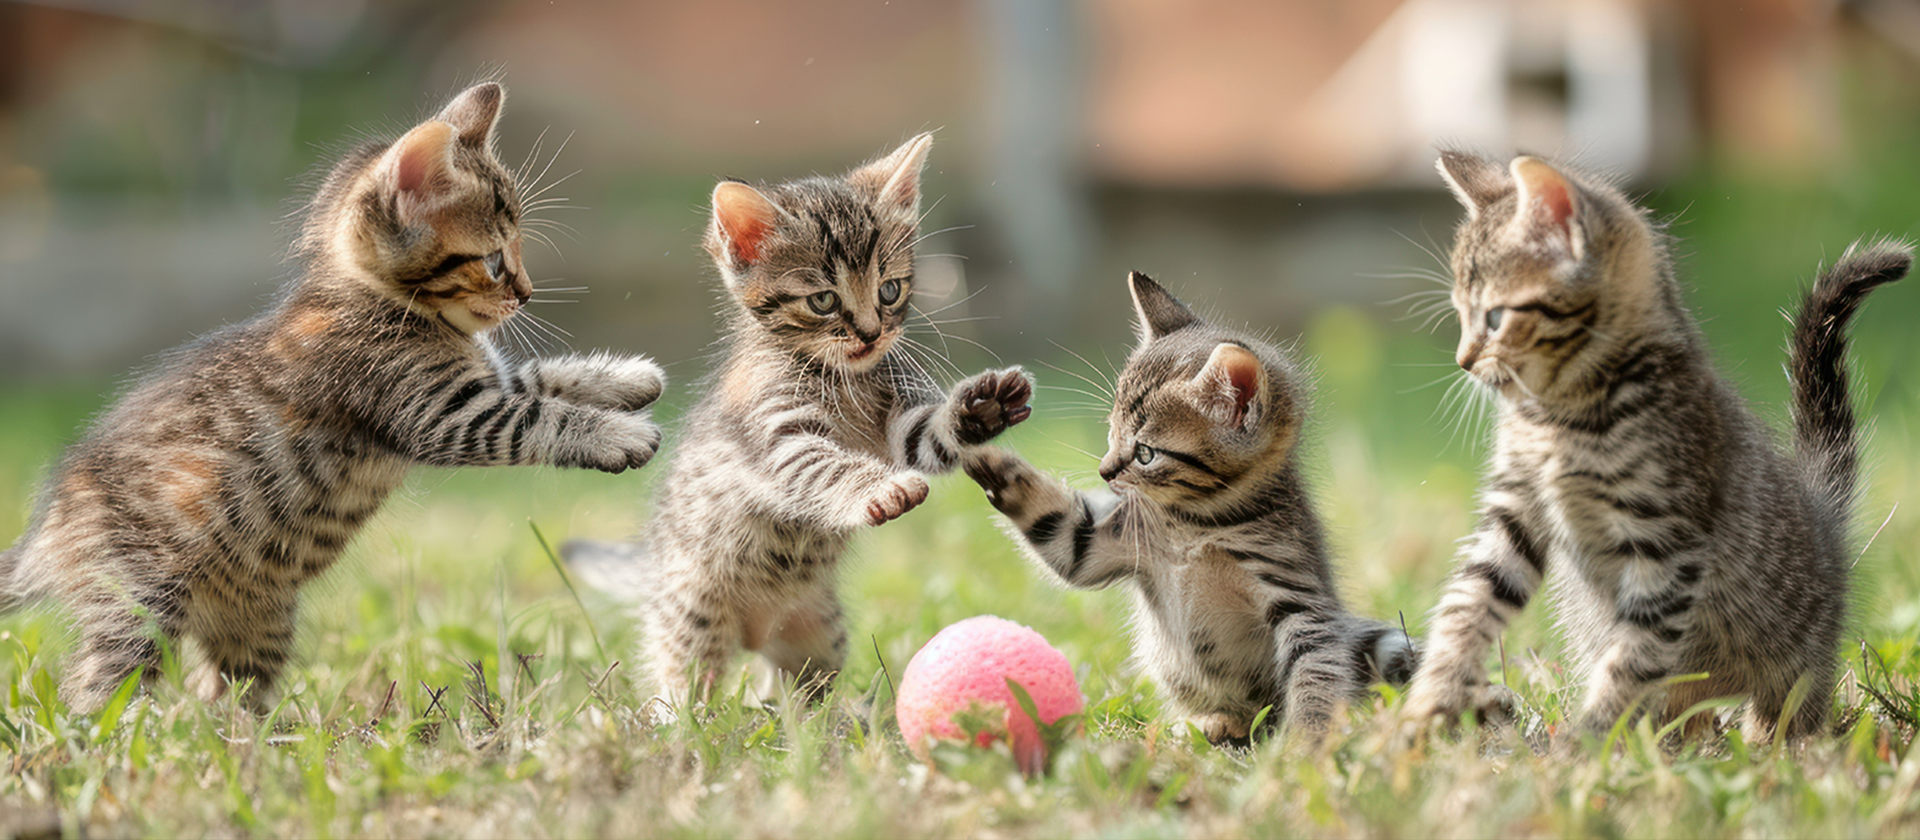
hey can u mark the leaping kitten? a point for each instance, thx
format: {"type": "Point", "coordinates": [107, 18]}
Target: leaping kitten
{"type": "Point", "coordinates": [811, 428]}
{"type": "Point", "coordinates": [241, 467]}
{"type": "Point", "coordinates": [1680, 538]}
{"type": "Point", "coordinates": [1211, 521]}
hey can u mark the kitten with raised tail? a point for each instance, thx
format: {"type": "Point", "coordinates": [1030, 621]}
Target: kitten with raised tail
{"type": "Point", "coordinates": [1680, 537]}
{"type": "Point", "coordinates": [242, 465]}
{"type": "Point", "coordinates": [815, 424]}
{"type": "Point", "coordinates": [1210, 519]}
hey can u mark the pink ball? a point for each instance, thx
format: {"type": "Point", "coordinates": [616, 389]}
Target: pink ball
{"type": "Point", "coordinates": [970, 662]}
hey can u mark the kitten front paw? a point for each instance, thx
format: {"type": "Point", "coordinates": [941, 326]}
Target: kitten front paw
{"type": "Point", "coordinates": [628, 441]}
{"type": "Point", "coordinates": [989, 404]}
{"type": "Point", "coordinates": [1224, 729]}
{"type": "Point", "coordinates": [1002, 475]}
{"type": "Point", "coordinates": [601, 380]}
{"type": "Point", "coordinates": [898, 494]}
{"type": "Point", "coordinates": [1489, 704]}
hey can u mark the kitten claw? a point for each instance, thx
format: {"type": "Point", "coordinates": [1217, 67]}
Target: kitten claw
{"type": "Point", "coordinates": [990, 403]}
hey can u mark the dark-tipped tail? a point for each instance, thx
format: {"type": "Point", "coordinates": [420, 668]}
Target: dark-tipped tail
{"type": "Point", "coordinates": [1824, 438]}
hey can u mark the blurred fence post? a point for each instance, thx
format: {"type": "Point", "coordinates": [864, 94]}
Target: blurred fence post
{"type": "Point", "coordinates": [1036, 195]}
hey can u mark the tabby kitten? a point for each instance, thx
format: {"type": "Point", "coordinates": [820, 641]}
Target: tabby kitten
{"type": "Point", "coordinates": [811, 428]}
{"type": "Point", "coordinates": [1681, 539]}
{"type": "Point", "coordinates": [1211, 521]}
{"type": "Point", "coordinates": [241, 467]}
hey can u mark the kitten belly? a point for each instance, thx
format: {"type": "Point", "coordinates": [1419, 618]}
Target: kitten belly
{"type": "Point", "coordinates": [1203, 639]}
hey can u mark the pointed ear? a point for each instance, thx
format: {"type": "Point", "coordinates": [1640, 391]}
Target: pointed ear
{"type": "Point", "coordinates": [1476, 181]}
{"type": "Point", "coordinates": [1231, 384]}
{"type": "Point", "coordinates": [1156, 311]}
{"type": "Point", "coordinates": [1549, 208]}
{"type": "Point", "coordinates": [896, 177]}
{"type": "Point", "coordinates": [474, 112]}
{"type": "Point", "coordinates": [418, 171]}
{"type": "Point", "coordinates": [743, 218]}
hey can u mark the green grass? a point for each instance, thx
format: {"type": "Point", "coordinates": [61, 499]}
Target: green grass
{"type": "Point", "coordinates": [450, 586]}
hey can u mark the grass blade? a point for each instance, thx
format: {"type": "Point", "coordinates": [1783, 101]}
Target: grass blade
{"type": "Point", "coordinates": [561, 570]}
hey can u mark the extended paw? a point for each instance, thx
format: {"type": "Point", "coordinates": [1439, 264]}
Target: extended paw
{"type": "Point", "coordinates": [620, 383]}
{"type": "Point", "coordinates": [628, 441]}
{"type": "Point", "coordinates": [1001, 474]}
{"type": "Point", "coordinates": [897, 495]}
{"type": "Point", "coordinates": [988, 404]}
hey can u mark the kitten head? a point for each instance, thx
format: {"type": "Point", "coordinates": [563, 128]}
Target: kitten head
{"type": "Point", "coordinates": [824, 266]}
{"type": "Point", "coordinates": [1201, 414]}
{"type": "Point", "coordinates": [1550, 272]}
{"type": "Point", "coordinates": [431, 220]}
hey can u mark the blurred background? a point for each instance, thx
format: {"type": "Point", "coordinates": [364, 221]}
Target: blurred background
{"type": "Point", "coordinates": [1270, 160]}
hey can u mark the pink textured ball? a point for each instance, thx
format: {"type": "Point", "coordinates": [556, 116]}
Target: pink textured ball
{"type": "Point", "coordinates": [969, 663]}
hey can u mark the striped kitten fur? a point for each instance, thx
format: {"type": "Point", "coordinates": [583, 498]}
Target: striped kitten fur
{"type": "Point", "coordinates": [1210, 519]}
{"type": "Point", "coordinates": [243, 464]}
{"type": "Point", "coordinates": [1680, 537]}
{"type": "Point", "coordinates": [813, 426]}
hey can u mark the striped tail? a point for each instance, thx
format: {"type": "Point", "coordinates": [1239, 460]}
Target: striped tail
{"type": "Point", "coordinates": [1824, 437]}
{"type": "Point", "coordinates": [617, 569]}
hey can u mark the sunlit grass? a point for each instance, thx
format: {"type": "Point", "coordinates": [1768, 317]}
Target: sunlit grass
{"type": "Point", "coordinates": [386, 729]}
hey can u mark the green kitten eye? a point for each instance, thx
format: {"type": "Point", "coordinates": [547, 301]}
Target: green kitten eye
{"type": "Point", "coordinates": [1143, 454]}
{"type": "Point", "coordinates": [1494, 316]}
{"type": "Point", "coordinates": [823, 303]}
{"type": "Point", "coordinates": [496, 266]}
{"type": "Point", "coordinates": [889, 292]}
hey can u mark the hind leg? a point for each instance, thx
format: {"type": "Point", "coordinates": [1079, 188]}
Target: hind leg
{"type": "Point", "coordinates": [1761, 721]}
{"type": "Point", "coordinates": [690, 637]}
{"type": "Point", "coordinates": [247, 640]}
{"type": "Point", "coordinates": [810, 645]}
{"type": "Point", "coordinates": [118, 635]}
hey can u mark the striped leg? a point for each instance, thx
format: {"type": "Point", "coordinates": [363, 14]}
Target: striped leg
{"type": "Point", "coordinates": [596, 380]}
{"type": "Point", "coordinates": [812, 478]}
{"type": "Point", "coordinates": [1077, 535]}
{"type": "Point", "coordinates": [248, 638]}
{"type": "Point", "coordinates": [471, 419]}
{"type": "Point", "coordinates": [1317, 671]}
{"type": "Point", "coordinates": [119, 632]}
{"type": "Point", "coordinates": [1652, 616]}
{"type": "Point", "coordinates": [931, 437]}
{"type": "Point", "coordinates": [1500, 569]}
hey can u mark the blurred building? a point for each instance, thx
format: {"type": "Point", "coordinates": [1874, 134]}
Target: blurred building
{"type": "Point", "coordinates": [1278, 149]}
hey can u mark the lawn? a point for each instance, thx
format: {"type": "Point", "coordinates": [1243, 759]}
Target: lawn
{"type": "Point", "coordinates": [450, 684]}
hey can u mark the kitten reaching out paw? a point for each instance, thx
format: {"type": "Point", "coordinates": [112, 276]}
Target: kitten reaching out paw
{"type": "Point", "coordinates": [815, 426]}
{"type": "Point", "coordinates": [599, 380]}
{"type": "Point", "coordinates": [901, 493]}
{"type": "Point", "coordinates": [241, 468]}
{"type": "Point", "coordinates": [1209, 519]}
{"type": "Point", "coordinates": [990, 403]}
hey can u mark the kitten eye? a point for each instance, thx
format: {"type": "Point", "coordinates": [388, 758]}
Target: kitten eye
{"type": "Point", "coordinates": [1143, 454]}
{"type": "Point", "coordinates": [496, 266]}
{"type": "Point", "coordinates": [889, 292]}
{"type": "Point", "coordinates": [1494, 317]}
{"type": "Point", "coordinates": [823, 303]}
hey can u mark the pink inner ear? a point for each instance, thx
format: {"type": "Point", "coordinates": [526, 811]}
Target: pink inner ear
{"type": "Point", "coordinates": [746, 234]}
{"type": "Point", "coordinates": [413, 168]}
{"type": "Point", "coordinates": [1244, 375]}
{"type": "Point", "coordinates": [1557, 201]}
{"type": "Point", "coordinates": [745, 216]}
